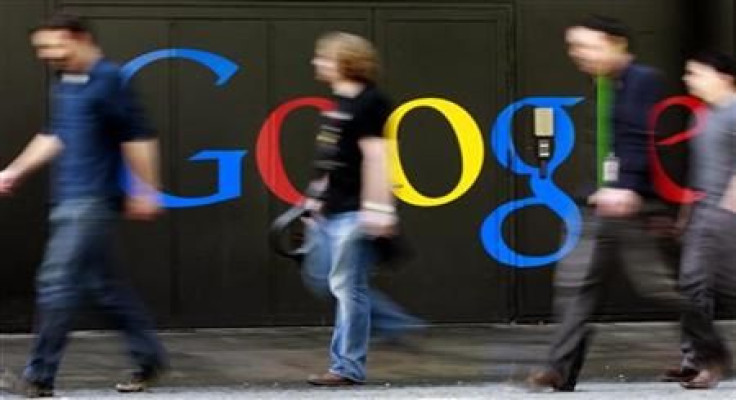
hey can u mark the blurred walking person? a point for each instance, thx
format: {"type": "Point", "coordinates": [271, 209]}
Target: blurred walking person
{"type": "Point", "coordinates": [95, 123]}
{"type": "Point", "coordinates": [618, 224]}
{"type": "Point", "coordinates": [352, 204]}
{"type": "Point", "coordinates": [708, 268]}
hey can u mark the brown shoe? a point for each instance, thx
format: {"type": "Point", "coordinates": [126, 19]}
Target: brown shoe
{"type": "Point", "coordinates": [706, 379]}
{"type": "Point", "coordinates": [546, 379]}
{"type": "Point", "coordinates": [679, 374]}
{"type": "Point", "coordinates": [330, 379]}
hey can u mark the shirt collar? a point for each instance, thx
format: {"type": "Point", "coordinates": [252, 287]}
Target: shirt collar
{"type": "Point", "coordinates": [81, 78]}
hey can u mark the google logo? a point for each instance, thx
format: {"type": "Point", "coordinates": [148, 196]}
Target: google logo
{"type": "Point", "coordinates": [544, 191]}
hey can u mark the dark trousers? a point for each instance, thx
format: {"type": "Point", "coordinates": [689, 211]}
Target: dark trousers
{"type": "Point", "coordinates": [708, 271]}
{"type": "Point", "coordinates": [78, 265]}
{"type": "Point", "coordinates": [648, 260]}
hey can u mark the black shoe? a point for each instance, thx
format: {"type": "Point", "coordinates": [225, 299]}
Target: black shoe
{"type": "Point", "coordinates": [33, 390]}
{"type": "Point", "coordinates": [142, 380]}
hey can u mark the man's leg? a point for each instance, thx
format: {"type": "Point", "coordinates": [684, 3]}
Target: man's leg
{"type": "Point", "coordinates": [53, 328]}
{"type": "Point", "coordinates": [129, 316]}
{"type": "Point", "coordinates": [646, 265]}
{"type": "Point", "coordinates": [670, 248]}
{"type": "Point", "coordinates": [702, 256]}
{"type": "Point", "coordinates": [578, 289]}
{"type": "Point", "coordinates": [349, 280]}
{"type": "Point", "coordinates": [316, 272]}
{"type": "Point", "coordinates": [58, 293]}
{"type": "Point", "coordinates": [723, 275]}
{"type": "Point", "coordinates": [651, 257]}
{"type": "Point", "coordinates": [117, 301]}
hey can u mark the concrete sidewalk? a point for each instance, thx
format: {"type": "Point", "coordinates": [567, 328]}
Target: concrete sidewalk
{"type": "Point", "coordinates": [448, 361]}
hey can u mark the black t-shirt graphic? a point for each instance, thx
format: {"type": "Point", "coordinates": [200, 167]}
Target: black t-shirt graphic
{"type": "Point", "coordinates": [338, 154]}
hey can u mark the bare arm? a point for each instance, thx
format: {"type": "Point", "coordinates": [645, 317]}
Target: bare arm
{"type": "Point", "coordinates": [142, 157]}
{"type": "Point", "coordinates": [378, 212]}
{"type": "Point", "coordinates": [39, 151]}
{"type": "Point", "coordinates": [376, 188]}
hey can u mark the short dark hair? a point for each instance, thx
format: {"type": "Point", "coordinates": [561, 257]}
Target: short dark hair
{"type": "Point", "coordinates": [64, 22]}
{"type": "Point", "coordinates": [717, 60]}
{"type": "Point", "coordinates": [608, 25]}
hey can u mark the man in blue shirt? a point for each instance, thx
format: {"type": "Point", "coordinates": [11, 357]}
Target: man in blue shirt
{"type": "Point", "coordinates": [95, 123]}
{"type": "Point", "coordinates": [620, 208]}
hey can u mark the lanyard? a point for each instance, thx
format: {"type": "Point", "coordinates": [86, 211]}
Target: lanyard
{"type": "Point", "coordinates": [604, 104]}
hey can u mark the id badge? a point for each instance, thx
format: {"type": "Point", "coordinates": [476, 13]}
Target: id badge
{"type": "Point", "coordinates": [611, 167]}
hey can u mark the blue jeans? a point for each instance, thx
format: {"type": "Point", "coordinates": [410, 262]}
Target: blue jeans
{"type": "Point", "coordinates": [78, 265]}
{"type": "Point", "coordinates": [339, 263]}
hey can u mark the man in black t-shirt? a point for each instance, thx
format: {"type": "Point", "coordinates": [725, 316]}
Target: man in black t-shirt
{"type": "Point", "coordinates": [339, 155]}
{"type": "Point", "coordinates": [351, 202]}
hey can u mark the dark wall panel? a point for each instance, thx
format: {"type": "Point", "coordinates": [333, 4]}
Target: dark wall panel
{"type": "Point", "coordinates": [220, 252]}
{"type": "Point", "coordinates": [460, 55]}
{"type": "Point", "coordinates": [22, 84]}
{"type": "Point", "coordinates": [210, 266]}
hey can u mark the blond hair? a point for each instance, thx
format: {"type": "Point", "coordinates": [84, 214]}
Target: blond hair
{"type": "Point", "coordinates": [356, 57]}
